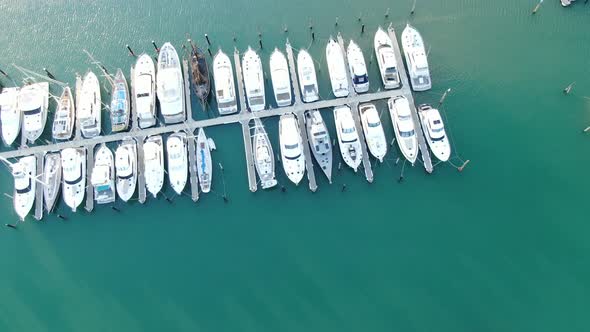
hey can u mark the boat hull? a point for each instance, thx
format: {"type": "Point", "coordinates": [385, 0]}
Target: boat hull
{"type": "Point", "coordinates": [24, 186]}
{"type": "Point", "coordinates": [144, 91]}
{"type": "Point", "coordinates": [73, 161]}
{"type": "Point", "coordinates": [120, 107]}
{"type": "Point", "coordinates": [126, 169]}
{"type": "Point", "coordinates": [263, 156]}
{"type": "Point", "coordinates": [176, 150]}
{"type": "Point", "coordinates": [52, 179]}
{"type": "Point", "coordinates": [319, 141]}
{"type": "Point", "coordinates": [348, 139]}
{"type": "Point", "coordinates": [204, 168]}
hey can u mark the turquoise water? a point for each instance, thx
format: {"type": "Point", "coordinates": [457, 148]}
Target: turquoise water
{"type": "Point", "coordinates": [501, 246]}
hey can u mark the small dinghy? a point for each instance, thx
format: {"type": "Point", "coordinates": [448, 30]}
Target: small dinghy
{"type": "Point", "coordinates": [51, 179]}
{"type": "Point", "coordinates": [204, 168]}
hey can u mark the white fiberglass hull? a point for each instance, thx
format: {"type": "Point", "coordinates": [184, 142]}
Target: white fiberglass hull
{"type": "Point", "coordinates": [253, 81]}
{"type": "Point", "coordinates": [386, 60]}
{"type": "Point", "coordinates": [144, 81]}
{"type": "Point", "coordinates": [223, 78]}
{"type": "Point", "coordinates": [126, 169]}
{"type": "Point", "coordinates": [204, 162]}
{"type": "Point", "coordinates": [103, 176]}
{"type": "Point", "coordinates": [357, 68]}
{"type": "Point", "coordinates": [337, 69]}
{"type": "Point", "coordinates": [177, 161]}
{"type": "Point", "coordinates": [348, 139]}
{"type": "Point", "coordinates": [153, 152]}
{"type": "Point", "coordinates": [416, 59]}
{"type": "Point", "coordinates": [263, 156]}
{"type": "Point", "coordinates": [24, 172]}
{"type": "Point", "coordinates": [404, 127]}
{"type": "Point", "coordinates": [10, 115]}
{"type": "Point", "coordinates": [90, 106]}
{"type": "Point", "coordinates": [170, 85]}
{"type": "Point", "coordinates": [281, 81]}
{"type": "Point", "coordinates": [434, 132]}
{"type": "Point", "coordinates": [373, 129]}
{"type": "Point", "coordinates": [308, 82]}
{"type": "Point", "coordinates": [33, 101]}
{"type": "Point", "coordinates": [292, 156]}
{"type": "Point", "coordinates": [73, 161]}
{"type": "Point", "coordinates": [319, 141]}
{"type": "Point", "coordinates": [52, 179]}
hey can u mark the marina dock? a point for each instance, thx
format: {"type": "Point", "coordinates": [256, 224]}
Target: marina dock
{"type": "Point", "coordinates": [89, 187]}
{"type": "Point", "coordinates": [40, 157]}
{"type": "Point", "coordinates": [192, 149]}
{"type": "Point", "coordinates": [406, 91]}
{"type": "Point", "coordinates": [243, 117]}
{"type": "Point", "coordinates": [140, 169]}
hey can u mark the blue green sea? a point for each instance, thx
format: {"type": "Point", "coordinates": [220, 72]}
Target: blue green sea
{"type": "Point", "coordinates": [501, 246]}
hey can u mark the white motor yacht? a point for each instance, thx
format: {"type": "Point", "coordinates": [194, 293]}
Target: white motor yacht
{"type": "Point", "coordinates": [51, 179]}
{"type": "Point", "coordinates": [103, 176]}
{"type": "Point", "coordinates": [223, 77]}
{"type": "Point", "coordinates": [177, 161]}
{"type": "Point", "coordinates": [263, 156]}
{"type": "Point", "coordinates": [348, 138]}
{"type": "Point", "coordinates": [337, 69]}
{"type": "Point", "coordinates": [374, 134]}
{"type": "Point", "coordinates": [170, 85]}
{"type": "Point", "coordinates": [120, 107]}
{"type": "Point", "coordinates": [126, 168]}
{"type": "Point", "coordinates": [24, 172]}
{"type": "Point", "coordinates": [281, 81]}
{"type": "Point", "coordinates": [434, 130]}
{"type": "Point", "coordinates": [153, 153]}
{"type": "Point", "coordinates": [144, 80]}
{"type": "Point", "coordinates": [33, 101]}
{"type": "Point", "coordinates": [416, 59]}
{"type": "Point", "coordinates": [73, 162]}
{"type": "Point", "coordinates": [308, 82]}
{"type": "Point", "coordinates": [388, 66]}
{"type": "Point", "coordinates": [403, 127]}
{"type": "Point", "coordinates": [319, 141]}
{"type": "Point", "coordinates": [253, 80]}
{"type": "Point", "coordinates": [357, 68]}
{"type": "Point", "coordinates": [292, 156]}
{"type": "Point", "coordinates": [65, 116]}
{"type": "Point", "coordinates": [10, 115]}
{"type": "Point", "coordinates": [90, 106]}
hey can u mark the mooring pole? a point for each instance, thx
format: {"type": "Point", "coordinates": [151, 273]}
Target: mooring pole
{"type": "Point", "coordinates": [130, 50]}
